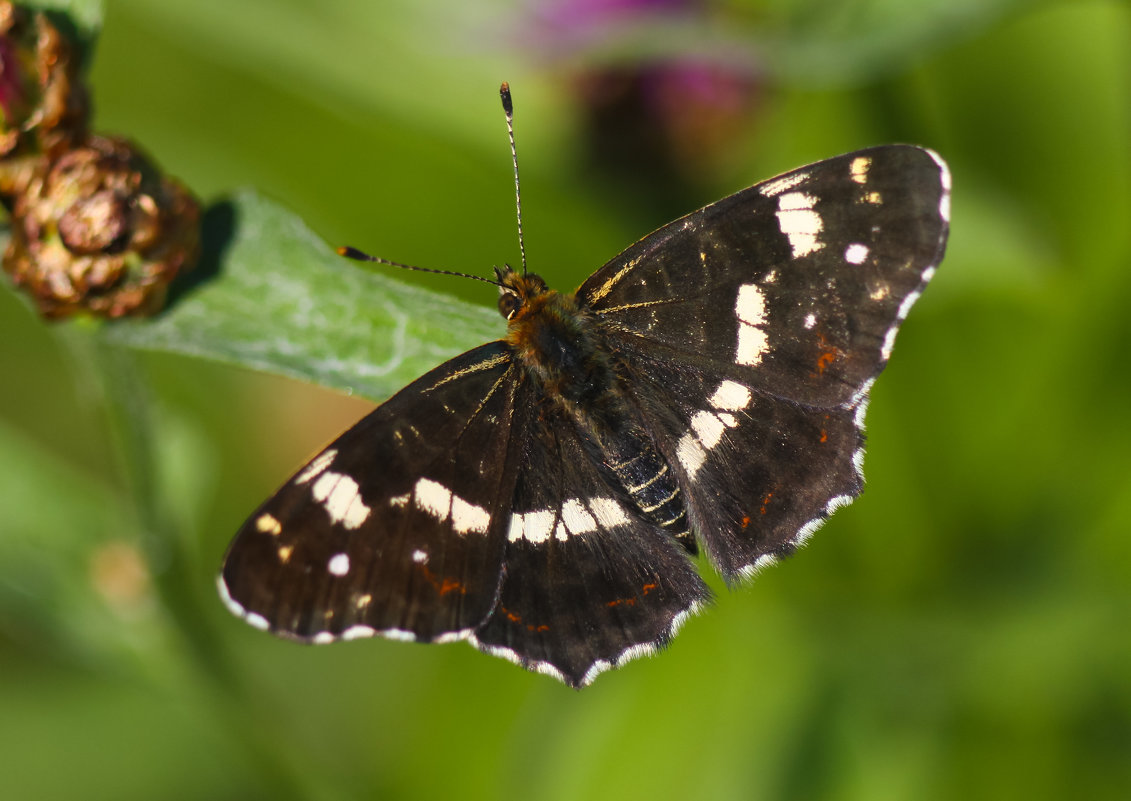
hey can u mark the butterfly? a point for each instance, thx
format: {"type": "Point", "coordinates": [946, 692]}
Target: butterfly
{"type": "Point", "coordinates": [541, 496]}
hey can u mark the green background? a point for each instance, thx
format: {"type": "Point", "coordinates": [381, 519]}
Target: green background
{"type": "Point", "coordinates": [961, 631]}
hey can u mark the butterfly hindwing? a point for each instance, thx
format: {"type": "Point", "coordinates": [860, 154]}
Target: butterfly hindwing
{"type": "Point", "coordinates": [398, 527]}
{"type": "Point", "coordinates": [759, 473]}
{"type": "Point", "coordinates": [588, 583]}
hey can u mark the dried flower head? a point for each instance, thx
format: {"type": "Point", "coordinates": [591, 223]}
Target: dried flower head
{"type": "Point", "coordinates": [44, 107]}
{"type": "Point", "coordinates": [102, 231]}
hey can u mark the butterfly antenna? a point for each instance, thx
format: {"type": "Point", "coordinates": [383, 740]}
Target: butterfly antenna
{"type": "Point", "coordinates": [357, 255]}
{"type": "Point", "coordinates": [508, 109]}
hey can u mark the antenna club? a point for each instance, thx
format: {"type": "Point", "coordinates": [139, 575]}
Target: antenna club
{"type": "Point", "coordinates": [353, 253]}
{"type": "Point", "coordinates": [508, 110]}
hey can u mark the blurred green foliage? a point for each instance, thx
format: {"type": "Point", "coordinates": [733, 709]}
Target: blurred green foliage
{"type": "Point", "coordinates": [960, 631]}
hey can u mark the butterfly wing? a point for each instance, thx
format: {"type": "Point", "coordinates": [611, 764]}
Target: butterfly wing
{"type": "Point", "coordinates": [588, 583]}
{"type": "Point", "coordinates": [411, 550]}
{"type": "Point", "coordinates": [754, 328]}
{"type": "Point", "coordinates": [749, 334]}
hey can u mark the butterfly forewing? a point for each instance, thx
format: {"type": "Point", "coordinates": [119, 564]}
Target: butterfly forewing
{"type": "Point", "coordinates": [396, 528]}
{"type": "Point", "coordinates": [795, 285]}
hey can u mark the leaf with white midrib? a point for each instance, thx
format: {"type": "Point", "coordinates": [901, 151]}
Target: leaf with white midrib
{"type": "Point", "coordinates": [283, 301]}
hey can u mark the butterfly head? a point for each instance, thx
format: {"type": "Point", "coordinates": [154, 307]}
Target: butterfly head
{"type": "Point", "coordinates": [516, 290]}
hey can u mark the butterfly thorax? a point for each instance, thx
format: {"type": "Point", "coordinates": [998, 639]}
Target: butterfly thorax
{"type": "Point", "coordinates": [561, 346]}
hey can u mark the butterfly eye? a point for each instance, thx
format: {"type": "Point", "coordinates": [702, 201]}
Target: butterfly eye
{"type": "Point", "coordinates": [509, 303]}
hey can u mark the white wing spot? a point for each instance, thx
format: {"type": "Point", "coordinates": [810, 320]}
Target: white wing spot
{"type": "Point", "coordinates": [690, 454]}
{"type": "Point", "coordinates": [538, 525]}
{"type": "Point", "coordinates": [778, 185]}
{"type": "Point", "coordinates": [874, 198]}
{"type": "Point", "coordinates": [944, 179]}
{"type": "Point", "coordinates": [284, 552]}
{"type": "Point", "coordinates": [357, 632]}
{"type": "Point", "coordinates": [517, 529]}
{"type": "Point", "coordinates": [323, 460]}
{"type": "Point", "coordinates": [268, 524]}
{"type": "Point", "coordinates": [859, 169]}
{"type": "Point", "coordinates": [419, 556]}
{"type": "Point", "coordinates": [401, 635]}
{"type": "Point", "coordinates": [608, 512]}
{"type": "Point", "coordinates": [433, 498]}
{"type": "Point", "coordinates": [750, 305]}
{"type": "Point", "coordinates": [905, 307]}
{"type": "Point", "coordinates": [753, 344]}
{"type": "Point", "coordinates": [889, 337]}
{"type": "Point", "coordinates": [577, 518]}
{"type": "Point", "coordinates": [750, 308]}
{"type": "Point", "coordinates": [861, 411]}
{"type": "Point", "coordinates": [731, 396]}
{"type": "Point", "coordinates": [533, 527]}
{"type": "Point", "coordinates": [452, 636]}
{"type": "Point", "coordinates": [856, 253]}
{"type": "Point", "coordinates": [879, 293]}
{"type": "Point", "coordinates": [838, 502]}
{"type": "Point", "coordinates": [760, 564]}
{"type": "Point", "coordinates": [400, 500]}
{"type": "Point", "coordinates": [708, 428]}
{"type": "Point", "coordinates": [340, 497]}
{"type": "Point", "coordinates": [889, 342]}
{"type": "Point", "coordinates": [806, 532]}
{"type": "Point", "coordinates": [800, 223]}
{"type": "Point", "coordinates": [469, 517]}
{"type": "Point", "coordinates": [440, 502]}
{"type": "Point", "coordinates": [339, 564]}
{"type": "Point", "coordinates": [810, 321]}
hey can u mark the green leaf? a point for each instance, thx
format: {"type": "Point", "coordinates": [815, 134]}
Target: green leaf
{"type": "Point", "coordinates": [283, 301]}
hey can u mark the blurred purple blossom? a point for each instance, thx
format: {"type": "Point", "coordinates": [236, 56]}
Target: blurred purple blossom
{"type": "Point", "coordinates": [659, 119]}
